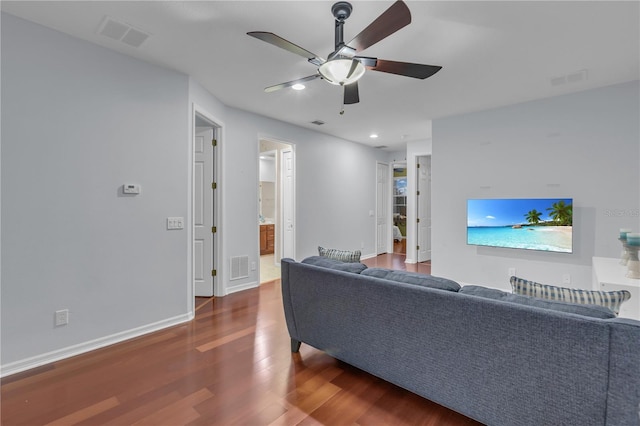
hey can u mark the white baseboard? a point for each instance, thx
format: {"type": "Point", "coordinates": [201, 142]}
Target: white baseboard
{"type": "Point", "coordinates": [242, 287]}
{"type": "Point", "coordinates": [57, 355]}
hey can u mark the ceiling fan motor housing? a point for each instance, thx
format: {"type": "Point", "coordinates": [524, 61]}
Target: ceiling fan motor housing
{"type": "Point", "coordinates": [341, 10]}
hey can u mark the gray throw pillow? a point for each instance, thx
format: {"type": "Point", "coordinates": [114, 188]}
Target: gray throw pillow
{"type": "Point", "coordinates": [343, 255]}
{"type": "Point", "coordinates": [609, 299]}
{"type": "Point", "coordinates": [325, 262]}
{"type": "Point", "coordinates": [413, 278]}
{"type": "Point", "coordinates": [593, 311]}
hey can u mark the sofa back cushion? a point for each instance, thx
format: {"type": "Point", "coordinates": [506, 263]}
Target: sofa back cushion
{"type": "Point", "coordinates": [413, 278]}
{"type": "Point", "coordinates": [325, 262]}
{"type": "Point", "coordinates": [609, 299]}
{"type": "Point", "coordinates": [585, 310]}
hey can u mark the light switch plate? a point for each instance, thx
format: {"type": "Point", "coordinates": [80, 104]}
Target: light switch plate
{"type": "Point", "coordinates": [175, 223]}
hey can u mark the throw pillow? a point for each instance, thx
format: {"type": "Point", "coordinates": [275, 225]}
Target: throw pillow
{"type": "Point", "coordinates": [609, 299]}
{"type": "Point", "coordinates": [585, 310]}
{"type": "Point", "coordinates": [324, 262]}
{"type": "Point", "coordinates": [343, 255]}
{"type": "Point", "coordinates": [413, 278]}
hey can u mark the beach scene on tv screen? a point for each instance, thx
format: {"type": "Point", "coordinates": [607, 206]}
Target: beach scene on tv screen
{"type": "Point", "coordinates": [524, 223]}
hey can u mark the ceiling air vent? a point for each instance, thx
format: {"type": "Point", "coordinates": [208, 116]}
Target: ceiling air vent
{"type": "Point", "coordinates": [381, 147]}
{"type": "Point", "coordinates": [117, 30]}
{"type": "Point", "coordinates": [317, 122]}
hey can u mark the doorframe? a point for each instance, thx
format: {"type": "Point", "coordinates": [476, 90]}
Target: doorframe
{"type": "Point", "coordinates": [219, 288]}
{"type": "Point", "coordinates": [392, 179]}
{"type": "Point", "coordinates": [388, 243]}
{"type": "Point", "coordinates": [279, 228]}
{"type": "Point", "coordinates": [412, 235]}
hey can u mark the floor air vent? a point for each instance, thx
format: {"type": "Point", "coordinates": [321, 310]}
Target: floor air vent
{"type": "Point", "coordinates": [239, 267]}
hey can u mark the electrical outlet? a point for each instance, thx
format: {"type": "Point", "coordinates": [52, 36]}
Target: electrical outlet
{"type": "Point", "coordinates": [512, 272]}
{"type": "Point", "coordinates": [253, 266]}
{"type": "Point", "coordinates": [566, 279]}
{"type": "Point", "coordinates": [62, 317]}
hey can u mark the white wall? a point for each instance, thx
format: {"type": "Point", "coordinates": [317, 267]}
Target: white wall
{"type": "Point", "coordinates": [335, 189]}
{"type": "Point", "coordinates": [585, 146]}
{"type": "Point", "coordinates": [78, 122]}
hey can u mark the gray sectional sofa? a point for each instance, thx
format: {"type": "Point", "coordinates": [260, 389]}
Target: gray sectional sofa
{"type": "Point", "coordinates": [494, 358]}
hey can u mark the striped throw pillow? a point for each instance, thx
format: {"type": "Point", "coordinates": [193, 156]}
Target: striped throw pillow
{"type": "Point", "coordinates": [609, 299]}
{"type": "Point", "coordinates": [343, 255]}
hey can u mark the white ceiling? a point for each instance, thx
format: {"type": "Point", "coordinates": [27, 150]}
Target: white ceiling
{"type": "Point", "coordinates": [492, 54]}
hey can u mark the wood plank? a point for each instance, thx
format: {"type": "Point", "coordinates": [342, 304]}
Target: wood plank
{"type": "Point", "coordinates": [231, 365]}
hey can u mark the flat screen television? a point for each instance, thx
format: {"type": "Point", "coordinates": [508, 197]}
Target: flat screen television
{"type": "Point", "coordinates": [523, 223]}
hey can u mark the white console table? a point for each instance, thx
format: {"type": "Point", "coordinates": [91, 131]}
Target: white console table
{"type": "Point", "coordinates": [609, 275]}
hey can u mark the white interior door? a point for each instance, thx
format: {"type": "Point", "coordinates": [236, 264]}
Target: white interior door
{"type": "Point", "coordinates": [382, 208]}
{"type": "Point", "coordinates": [288, 248]}
{"type": "Point", "coordinates": [203, 211]}
{"type": "Point", "coordinates": [424, 207]}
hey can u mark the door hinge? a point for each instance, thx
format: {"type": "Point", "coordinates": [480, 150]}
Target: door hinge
{"type": "Point", "coordinates": [418, 220]}
{"type": "Point", "coordinates": [214, 185]}
{"type": "Point", "coordinates": [214, 229]}
{"type": "Point", "coordinates": [418, 166]}
{"type": "Point", "coordinates": [417, 192]}
{"type": "Point", "coordinates": [214, 142]}
{"type": "Point", "coordinates": [417, 247]}
{"type": "Point", "coordinates": [214, 272]}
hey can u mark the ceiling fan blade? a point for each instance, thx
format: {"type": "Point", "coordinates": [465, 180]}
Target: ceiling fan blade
{"type": "Point", "coordinates": [278, 41]}
{"type": "Point", "coordinates": [391, 20]}
{"type": "Point", "coordinates": [406, 69]}
{"type": "Point", "coordinates": [291, 83]}
{"type": "Point", "coordinates": [351, 95]}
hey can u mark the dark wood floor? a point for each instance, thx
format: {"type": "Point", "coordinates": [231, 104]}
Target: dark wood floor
{"type": "Point", "coordinates": [231, 365]}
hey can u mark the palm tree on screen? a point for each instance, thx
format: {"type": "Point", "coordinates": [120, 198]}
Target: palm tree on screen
{"type": "Point", "coordinates": [533, 216]}
{"type": "Point", "coordinates": [561, 212]}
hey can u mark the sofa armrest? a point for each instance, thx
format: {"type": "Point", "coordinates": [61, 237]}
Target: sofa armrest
{"type": "Point", "coordinates": [287, 303]}
{"type": "Point", "coordinates": [623, 395]}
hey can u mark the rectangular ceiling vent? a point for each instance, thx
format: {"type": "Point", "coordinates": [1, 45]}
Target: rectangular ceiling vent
{"type": "Point", "coordinates": [317, 122]}
{"type": "Point", "coordinates": [239, 267]}
{"type": "Point", "coordinates": [381, 147]}
{"type": "Point", "coordinates": [117, 30]}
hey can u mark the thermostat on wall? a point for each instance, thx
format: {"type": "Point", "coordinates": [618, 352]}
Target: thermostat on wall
{"type": "Point", "coordinates": [131, 188]}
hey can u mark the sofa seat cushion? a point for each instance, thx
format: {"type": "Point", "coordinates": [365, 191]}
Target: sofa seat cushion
{"type": "Point", "coordinates": [594, 311]}
{"type": "Point", "coordinates": [325, 262]}
{"type": "Point", "coordinates": [609, 299]}
{"type": "Point", "coordinates": [343, 255]}
{"type": "Point", "coordinates": [413, 278]}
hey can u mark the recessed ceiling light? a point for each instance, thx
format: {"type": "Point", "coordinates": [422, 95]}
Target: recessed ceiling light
{"type": "Point", "coordinates": [298, 86]}
{"type": "Point", "coordinates": [373, 135]}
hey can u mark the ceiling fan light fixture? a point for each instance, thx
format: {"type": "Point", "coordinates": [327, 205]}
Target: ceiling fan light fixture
{"type": "Point", "coordinates": [298, 86]}
{"type": "Point", "coordinates": [338, 71]}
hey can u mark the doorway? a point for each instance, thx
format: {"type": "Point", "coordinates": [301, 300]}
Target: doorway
{"type": "Point", "coordinates": [204, 187]}
{"type": "Point", "coordinates": [276, 201]}
{"type": "Point", "coordinates": [400, 208]}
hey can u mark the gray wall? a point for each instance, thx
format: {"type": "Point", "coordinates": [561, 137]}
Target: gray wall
{"type": "Point", "coordinates": [585, 146]}
{"type": "Point", "coordinates": [79, 121]}
{"type": "Point", "coordinates": [335, 189]}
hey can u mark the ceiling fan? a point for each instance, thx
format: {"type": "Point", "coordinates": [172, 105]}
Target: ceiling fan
{"type": "Point", "coordinates": [343, 67]}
